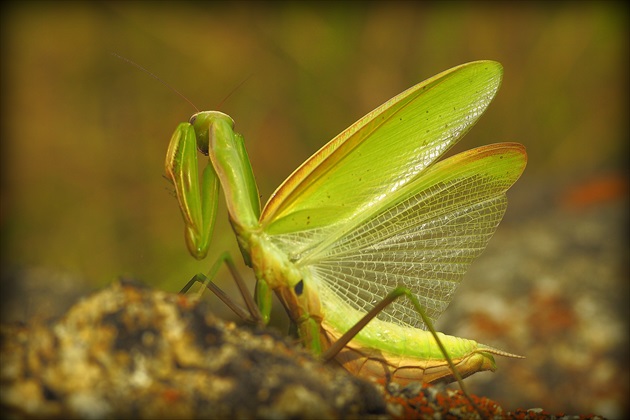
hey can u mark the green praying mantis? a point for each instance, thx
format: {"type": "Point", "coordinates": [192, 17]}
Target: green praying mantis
{"type": "Point", "coordinates": [370, 217]}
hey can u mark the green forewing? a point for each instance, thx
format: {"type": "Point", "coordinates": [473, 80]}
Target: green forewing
{"type": "Point", "coordinates": [383, 151]}
{"type": "Point", "coordinates": [372, 210]}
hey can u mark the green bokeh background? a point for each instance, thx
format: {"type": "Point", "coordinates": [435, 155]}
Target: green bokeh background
{"type": "Point", "coordinates": [84, 133]}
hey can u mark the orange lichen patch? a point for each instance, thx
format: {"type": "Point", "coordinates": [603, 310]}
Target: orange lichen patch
{"type": "Point", "coordinates": [184, 301]}
{"type": "Point", "coordinates": [421, 401]}
{"type": "Point", "coordinates": [417, 401]}
{"type": "Point", "coordinates": [595, 191]}
{"type": "Point", "coordinates": [171, 395]}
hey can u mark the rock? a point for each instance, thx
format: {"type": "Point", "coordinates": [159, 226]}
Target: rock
{"type": "Point", "coordinates": [130, 351]}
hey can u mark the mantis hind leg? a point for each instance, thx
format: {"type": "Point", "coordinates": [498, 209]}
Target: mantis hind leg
{"type": "Point", "coordinates": [333, 350]}
{"type": "Point", "coordinates": [252, 314]}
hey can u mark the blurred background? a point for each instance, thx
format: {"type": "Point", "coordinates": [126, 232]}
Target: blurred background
{"type": "Point", "coordinates": [84, 135]}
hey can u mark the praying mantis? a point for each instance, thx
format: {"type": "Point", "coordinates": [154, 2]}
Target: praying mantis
{"type": "Point", "coordinates": [365, 243]}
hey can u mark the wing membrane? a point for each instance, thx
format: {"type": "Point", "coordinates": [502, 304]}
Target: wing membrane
{"type": "Point", "coordinates": [383, 151]}
{"type": "Point", "coordinates": [433, 230]}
